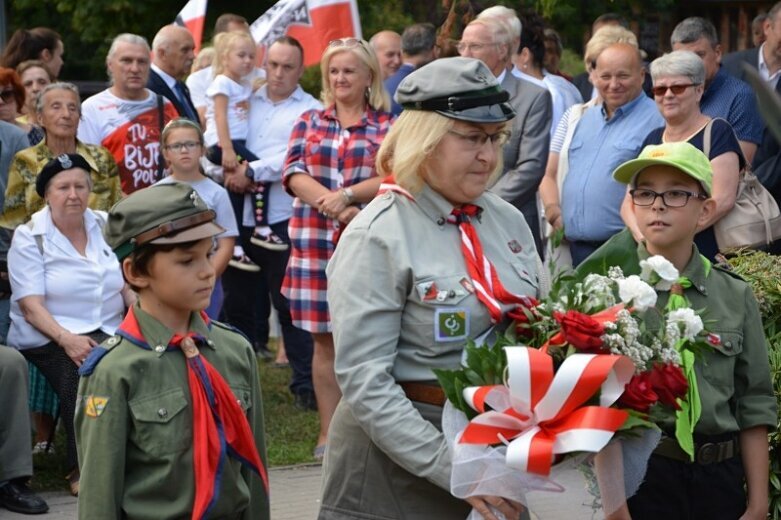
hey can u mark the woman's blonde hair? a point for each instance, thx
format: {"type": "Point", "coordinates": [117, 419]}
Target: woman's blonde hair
{"type": "Point", "coordinates": [204, 59]}
{"type": "Point", "coordinates": [604, 38]}
{"type": "Point", "coordinates": [376, 96]}
{"type": "Point", "coordinates": [223, 43]}
{"type": "Point", "coordinates": [407, 148]}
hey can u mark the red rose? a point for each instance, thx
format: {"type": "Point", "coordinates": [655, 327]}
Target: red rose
{"type": "Point", "coordinates": [638, 393]}
{"type": "Point", "coordinates": [581, 331]}
{"type": "Point", "coordinates": [669, 383]}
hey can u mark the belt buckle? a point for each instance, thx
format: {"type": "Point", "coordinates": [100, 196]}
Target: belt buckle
{"type": "Point", "coordinates": [707, 453]}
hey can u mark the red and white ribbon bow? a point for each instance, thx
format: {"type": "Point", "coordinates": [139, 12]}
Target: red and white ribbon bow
{"type": "Point", "coordinates": [540, 414]}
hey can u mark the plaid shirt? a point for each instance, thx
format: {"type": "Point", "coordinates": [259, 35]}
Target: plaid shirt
{"type": "Point", "coordinates": [21, 199]}
{"type": "Point", "coordinates": [335, 157]}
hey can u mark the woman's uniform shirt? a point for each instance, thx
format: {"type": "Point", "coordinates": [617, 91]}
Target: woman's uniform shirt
{"type": "Point", "coordinates": [82, 293]}
{"type": "Point", "coordinates": [134, 426]}
{"type": "Point", "coordinates": [335, 157]}
{"type": "Point", "coordinates": [403, 304]}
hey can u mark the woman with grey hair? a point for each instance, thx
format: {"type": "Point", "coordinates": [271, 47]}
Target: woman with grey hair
{"type": "Point", "coordinates": [68, 293]}
{"type": "Point", "coordinates": [679, 82]}
{"type": "Point", "coordinates": [58, 110]}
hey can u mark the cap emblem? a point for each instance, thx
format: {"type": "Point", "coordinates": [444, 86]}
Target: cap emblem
{"type": "Point", "coordinates": [65, 161]}
{"type": "Point", "coordinates": [658, 153]}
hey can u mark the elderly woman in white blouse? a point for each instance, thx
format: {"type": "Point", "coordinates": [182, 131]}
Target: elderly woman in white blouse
{"type": "Point", "coordinates": [68, 293]}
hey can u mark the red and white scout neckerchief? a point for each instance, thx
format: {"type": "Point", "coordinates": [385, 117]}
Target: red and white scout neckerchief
{"type": "Point", "coordinates": [220, 428]}
{"type": "Point", "coordinates": [488, 287]}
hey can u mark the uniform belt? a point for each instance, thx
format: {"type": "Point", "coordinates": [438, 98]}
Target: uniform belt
{"type": "Point", "coordinates": [704, 453]}
{"type": "Point", "coordinates": [424, 393]}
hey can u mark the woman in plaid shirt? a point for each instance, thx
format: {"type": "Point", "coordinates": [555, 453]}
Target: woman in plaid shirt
{"type": "Point", "coordinates": [330, 170]}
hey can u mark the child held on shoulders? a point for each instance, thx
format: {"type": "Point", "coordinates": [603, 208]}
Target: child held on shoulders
{"type": "Point", "coordinates": [670, 188]}
{"type": "Point", "coordinates": [169, 420]}
{"type": "Point", "coordinates": [182, 143]}
{"type": "Point", "coordinates": [227, 124]}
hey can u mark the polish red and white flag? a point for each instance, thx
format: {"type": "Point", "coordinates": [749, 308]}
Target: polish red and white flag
{"type": "Point", "coordinates": [192, 16]}
{"type": "Point", "coordinates": [314, 23]}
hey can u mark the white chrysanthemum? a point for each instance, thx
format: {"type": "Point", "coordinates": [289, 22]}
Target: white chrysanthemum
{"type": "Point", "coordinates": [659, 272]}
{"type": "Point", "coordinates": [615, 273]}
{"type": "Point", "coordinates": [688, 321]}
{"type": "Point", "coordinates": [635, 291]}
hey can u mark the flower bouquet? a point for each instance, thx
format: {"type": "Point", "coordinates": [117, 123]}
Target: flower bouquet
{"type": "Point", "coordinates": [600, 364]}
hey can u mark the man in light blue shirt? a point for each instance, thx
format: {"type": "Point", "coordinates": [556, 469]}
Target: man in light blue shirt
{"type": "Point", "coordinates": [274, 109]}
{"type": "Point", "coordinates": [606, 136]}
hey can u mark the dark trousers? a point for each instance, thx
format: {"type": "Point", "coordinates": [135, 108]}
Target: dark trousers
{"type": "Point", "coordinates": [581, 249]}
{"type": "Point", "coordinates": [298, 343]}
{"type": "Point", "coordinates": [260, 197]}
{"type": "Point", "coordinates": [675, 490]}
{"type": "Point", "coordinates": [246, 303]}
{"type": "Point", "coordinates": [63, 375]}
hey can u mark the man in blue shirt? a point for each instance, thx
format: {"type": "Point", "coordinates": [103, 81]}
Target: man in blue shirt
{"type": "Point", "coordinates": [606, 136]}
{"type": "Point", "coordinates": [418, 47]}
{"type": "Point", "coordinates": [725, 96]}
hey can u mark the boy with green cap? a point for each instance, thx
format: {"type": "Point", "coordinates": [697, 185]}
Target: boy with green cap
{"type": "Point", "coordinates": [169, 419]}
{"type": "Point", "coordinates": [670, 186]}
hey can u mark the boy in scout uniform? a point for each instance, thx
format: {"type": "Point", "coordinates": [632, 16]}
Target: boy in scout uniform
{"type": "Point", "coordinates": [670, 189]}
{"type": "Point", "coordinates": [169, 419]}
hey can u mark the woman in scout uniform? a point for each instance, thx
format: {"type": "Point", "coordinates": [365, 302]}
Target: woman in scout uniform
{"type": "Point", "coordinates": [170, 422]}
{"type": "Point", "coordinates": [728, 478]}
{"type": "Point", "coordinates": [404, 299]}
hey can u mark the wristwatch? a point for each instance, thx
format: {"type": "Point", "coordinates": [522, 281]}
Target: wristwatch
{"type": "Point", "coordinates": [348, 195]}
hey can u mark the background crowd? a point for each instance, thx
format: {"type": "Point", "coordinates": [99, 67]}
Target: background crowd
{"type": "Point", "coordinates": [287, 173]}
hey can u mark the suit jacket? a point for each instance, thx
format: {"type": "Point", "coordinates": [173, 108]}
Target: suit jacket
{"type": "Point", "coordinates": [526, 153]}
{"type": "Point", "coordinates": [158, 85]}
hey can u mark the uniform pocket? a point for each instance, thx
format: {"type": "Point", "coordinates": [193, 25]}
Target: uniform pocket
{"type": "Point", "coordinates": [161, 424]}
{"type": "Point", "coordinates": [243, 397]}
{"type": "Point", "coordinates": [719, 364]}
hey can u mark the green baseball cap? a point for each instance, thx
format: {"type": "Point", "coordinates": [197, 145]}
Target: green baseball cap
{"type": "Point", "coordinates": [161, 214]}
{"type": "Point", "coordinates": [682, 155]}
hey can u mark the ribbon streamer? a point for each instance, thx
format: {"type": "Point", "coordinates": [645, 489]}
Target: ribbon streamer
{"type": "Point", "coordinates": [542, 413]}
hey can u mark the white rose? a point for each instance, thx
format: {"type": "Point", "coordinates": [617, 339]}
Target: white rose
{"type": "Point", "coordinates": [692, 324]}
{"type": "Point", "coordinates": [635, 291]}
{"type": "Point", "coordinates": [665, 271]}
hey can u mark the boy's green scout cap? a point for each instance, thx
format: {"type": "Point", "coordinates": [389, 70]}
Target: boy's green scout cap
{"type": "Point", "coordinates": [162, 214]}
{"type": "Point", "coordinates": [682, 155]}
{"type": "Point", "coordinates": [458, 88]}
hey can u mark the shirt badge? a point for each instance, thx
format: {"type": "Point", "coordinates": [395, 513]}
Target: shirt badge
{"type": "Point", "coordinates": [94, 405]}
{"type": "Point", "coordinates": [515, 246]}
{"type": "Point", "coordinates": [428, 291]}
{"type": "Point", "coordinates": [467, 284]}
{"type": "Point", "coordinates": [451, 324]}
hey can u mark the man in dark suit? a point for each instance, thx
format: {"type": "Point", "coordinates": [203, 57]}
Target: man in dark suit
{"type": "Point", "coordinates": [418, 47]}
{"type": "Point", "coordinates": [526, 153]}
{"type": "Point", "coordinates": [173, 56]}
{"type": "Point", "coordinates": [766, 59]}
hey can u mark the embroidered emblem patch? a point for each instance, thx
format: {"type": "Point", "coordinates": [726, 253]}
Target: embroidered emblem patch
{"type": "Point", "coordinates": [451, 324]}
{"type": "Point", "coordinates": [94, 405]}
{"type": "Point", "coordinates": [514, 246]}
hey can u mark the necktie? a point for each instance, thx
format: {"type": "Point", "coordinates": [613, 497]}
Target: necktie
{"type": "Point", "coordinates": [184, 99]}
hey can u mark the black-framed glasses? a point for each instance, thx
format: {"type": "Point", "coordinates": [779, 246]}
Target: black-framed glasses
{"type": "Point", "coordinates": [671, 198]}
{"type": "Point", "coordinates": [477, 139]}
{"type": "Point", "coordinates": [186, 145]}
{"type": "Point", "coordinates": [677, 90]}
{"type": "Point", "coordinates": [7, 95]}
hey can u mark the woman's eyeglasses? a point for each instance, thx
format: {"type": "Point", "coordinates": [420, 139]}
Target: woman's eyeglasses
{"type": "Point", "coordinates": [7, 95]}
{"type": "Point", "coordinates": [671, 198]}
{"type": "Point", "coordinates": [677, 90]}
{"type": "Point", "coordinates": [476, 140]}
{"type": "Point", "coordinates": [346, 42]}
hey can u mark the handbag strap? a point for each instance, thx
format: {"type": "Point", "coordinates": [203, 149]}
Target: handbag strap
{"type": "Point", "coordinates": [706, 139]}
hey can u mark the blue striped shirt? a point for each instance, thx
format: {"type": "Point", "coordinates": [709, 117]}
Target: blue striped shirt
{"type": "Point", "coordinates": [591, 199]}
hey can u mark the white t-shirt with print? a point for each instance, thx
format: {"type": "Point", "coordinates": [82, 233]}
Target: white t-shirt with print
{"type": "Point", "coordinates": [238, 95]}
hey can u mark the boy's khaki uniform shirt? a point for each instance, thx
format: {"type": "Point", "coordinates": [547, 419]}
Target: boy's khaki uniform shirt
{"type": "Point", "coordinates": [134, 428]}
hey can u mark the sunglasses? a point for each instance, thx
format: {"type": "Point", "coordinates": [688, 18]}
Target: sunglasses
{"type": "Point", "coordinates": [7, 95]}
{"type": "Point", "coordinates": [349, 43]}
{"type": "Point", "coordinates": [677, 90]}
